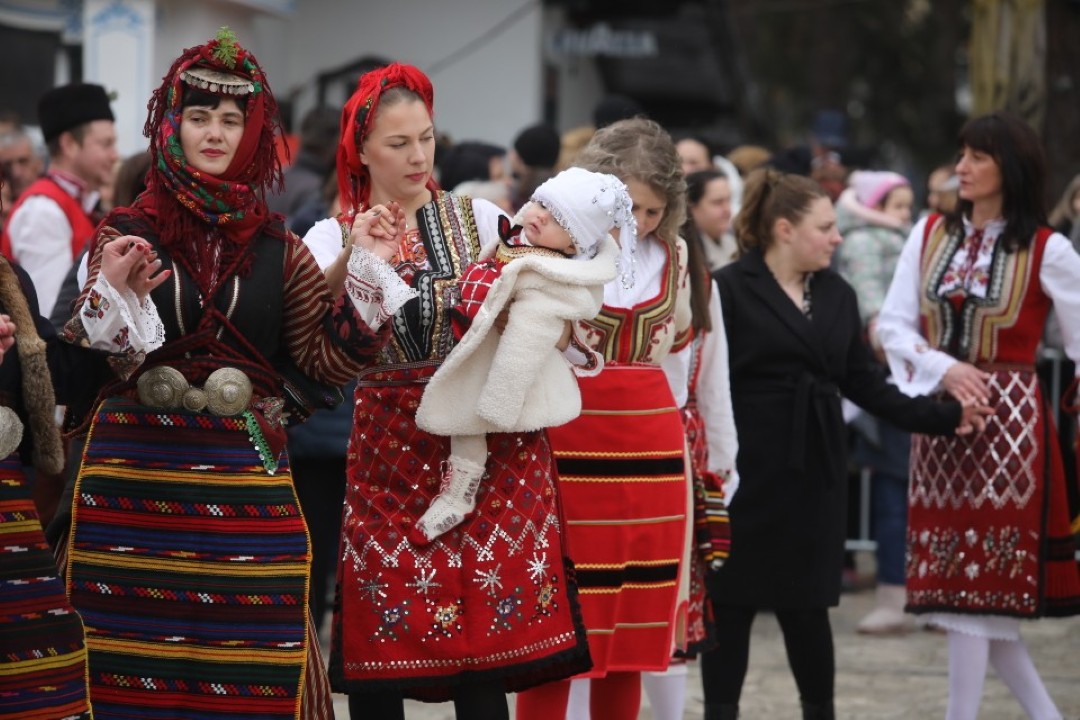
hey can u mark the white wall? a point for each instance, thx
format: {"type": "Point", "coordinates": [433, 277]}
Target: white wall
{"type": "Point", "coordinates": [184, 23]}
{"type": "Point", "coordinates": [489, 94]}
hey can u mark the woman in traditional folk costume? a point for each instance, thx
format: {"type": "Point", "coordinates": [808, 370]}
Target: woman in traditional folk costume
{"type": "Point", "coordinates": [188, 555]}
{"type": "Point", "coordinates": [489, 606]}
{"type": "Point", "coordinates": [989, 539]}
{"type": "Point", "coordinates": [43, 656]}
{"type": "Point", "coordinates": [712, 445]}
{"type": "Point", "coordinates": [516, 378]}
{"type": "Point", "coordinates": [622, 468]}
{"type": "Point", "coordinates": [795, 347]}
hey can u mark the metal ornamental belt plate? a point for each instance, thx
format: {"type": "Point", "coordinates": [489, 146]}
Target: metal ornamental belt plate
{"type": "Point", "coordinates": [225, 393]}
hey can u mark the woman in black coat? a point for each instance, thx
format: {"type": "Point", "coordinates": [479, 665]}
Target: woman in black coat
{"type": "Point", "coordinates": [795, 348]}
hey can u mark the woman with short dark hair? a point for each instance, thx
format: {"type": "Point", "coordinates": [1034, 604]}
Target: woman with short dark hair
{"type": "Point", "coordinates": [989, 539]}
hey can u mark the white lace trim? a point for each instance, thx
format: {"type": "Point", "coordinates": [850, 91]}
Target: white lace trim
{"type": "Point", "coordinates": [993, 627]}
{"type": "Point", "coordinates": [376, 289]}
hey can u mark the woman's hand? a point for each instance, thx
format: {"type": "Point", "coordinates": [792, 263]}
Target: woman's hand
{"type": "Point", "coordinates": [7, 335]}
{"type": "Point", "coordinates": [967, 383]}
{"type": "Point", "coordinates": [564, 339]}
{"type": "Point", "coordinates": [379, 230]}
{"type": "Point", "coordinates": [129, 263]}
{"type": "Point", "coordinates": [499, 323]}
{"type": "Point", "coordinates": [973, 418]}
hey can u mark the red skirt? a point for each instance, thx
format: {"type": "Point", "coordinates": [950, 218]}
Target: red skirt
{"type": "Point", "coordinates": [623, 481]}
{"type": "Point", "coordinates": [493, 599]}
{"type": "Point", "coordinates": [989, 527]}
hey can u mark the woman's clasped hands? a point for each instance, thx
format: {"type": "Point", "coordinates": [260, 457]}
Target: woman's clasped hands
{"type": "Point", "coordinates": [969, 385]}
{"type": "Point", "coordinates": [128, 262]}
{"type": "Point", "coordinates": [379, 229]}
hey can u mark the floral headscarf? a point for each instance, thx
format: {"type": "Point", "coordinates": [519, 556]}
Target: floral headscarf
{"type": "Point", "coordinates": [357, 118]}
{"type": "Point", "coordinates": [186, 204]}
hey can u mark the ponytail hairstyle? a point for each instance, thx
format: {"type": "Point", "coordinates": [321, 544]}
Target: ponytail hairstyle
{"type": "Point", "coordinates": [770, 195]}
{"type": "Point", "coordinates": [700, 279]}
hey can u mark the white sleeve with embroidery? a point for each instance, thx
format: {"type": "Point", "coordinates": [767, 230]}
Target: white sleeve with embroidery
{"type": "Point", "coordinates": [714, 400]}
{"type": "Point", "coordinates": [118, 323]}
{"type": "Point", "coordinates": [375, 289]}
{"type": "Point", "coordinates": [676, 367]}
{"type": "Point", "coordinates": [916, 367]}
{"type": "Point", "coordinates": [1059, 276]}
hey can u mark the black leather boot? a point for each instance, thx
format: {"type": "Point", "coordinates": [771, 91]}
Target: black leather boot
{"type": "Point", "coordinates": [814, 711]}
{"type": "Point", "coordinates": [721, 711]}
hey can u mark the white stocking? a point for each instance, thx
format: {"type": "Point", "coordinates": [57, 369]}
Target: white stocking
{"type": "Point", "coordinates": [666, 691]}
{"type": "Point", "coordinates": [457, 496]}
{"type": "Point", "coordinates": [577, 708]}
{"type": "Point", "coordinates": [1013, 665]}
{"type": "Point", "coordinates": [968, 658]}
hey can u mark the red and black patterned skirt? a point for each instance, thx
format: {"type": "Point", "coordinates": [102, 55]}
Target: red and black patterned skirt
{"type": "Point", "coordinates": [493, 599]}
{"type": "Point", "coordinates": [42, 645]}
{"type": "Point", "coordinates": [989, 527]}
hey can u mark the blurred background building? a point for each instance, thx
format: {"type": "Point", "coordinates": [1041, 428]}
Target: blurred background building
{"type": "Point", "coordinates": [895, 78]}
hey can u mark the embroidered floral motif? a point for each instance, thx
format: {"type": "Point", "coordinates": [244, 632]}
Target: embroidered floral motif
{"type": "Point", "coordinates": [507, 611]}
{"type": "Point", "coordinates": [445, 620]}
{"type": "Point", "coordinates": [96, 306]}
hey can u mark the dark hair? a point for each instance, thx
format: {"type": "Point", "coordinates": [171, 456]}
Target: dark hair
{"type": "Point", "coordinates": [319, 133]}
{"type": "Point", "coordinates": [697, 182]}
{"type": "Point", "coordinates": [131, 178]}
{"type": "Point", "coordinates": [195, 97]}
{"type": "Point", "coordinates": [769, 196]}
{"type": "Point", "coordinates": [468, 160]}
{"type": "Point", "coordinates": [700, 279]}
{"type": "Point", "coordinates": [695, 138]}
{"type": "Point", "coordinates": [1019, 157]}
{"type": "Point", "coordinates": [78, 133]}
{"type": "Point", "coordinates": [613, 108]}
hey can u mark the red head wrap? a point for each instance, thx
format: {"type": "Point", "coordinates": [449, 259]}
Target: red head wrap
{"type": "Point", "coordinates": [357, 119]}
{"type": "Point", "coordinates": [185, 203]}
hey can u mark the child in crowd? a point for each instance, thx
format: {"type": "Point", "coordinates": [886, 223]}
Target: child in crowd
{"type": "Point", "coordinates": [548, 269]}
{"type": "Point", "coordinates": [874, 216]}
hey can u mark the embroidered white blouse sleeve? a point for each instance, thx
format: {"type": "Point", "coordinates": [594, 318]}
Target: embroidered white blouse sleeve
{"type": "Point", "coordinates": [376, 290]}
{"type": "Point", "coordinates": [1059, 276]}
{"type": "Point", "coordinates": [117, 322]}
{"type": "Point", "coordinates": [916, 368]}
{"type": "Point", "coordinates": [714, 400]}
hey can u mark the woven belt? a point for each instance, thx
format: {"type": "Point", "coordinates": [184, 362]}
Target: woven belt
{"type": "Point", "coordinates": [225, 393]}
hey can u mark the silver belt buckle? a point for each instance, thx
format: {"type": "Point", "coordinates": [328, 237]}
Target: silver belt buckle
{"type": "Point", "coordinates": [227, 391]}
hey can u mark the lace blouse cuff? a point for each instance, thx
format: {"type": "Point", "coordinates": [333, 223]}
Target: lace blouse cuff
{"type": "Point", "coordinates": [376, 290]}
{"type": "Point", "coordinates": [118, 322]}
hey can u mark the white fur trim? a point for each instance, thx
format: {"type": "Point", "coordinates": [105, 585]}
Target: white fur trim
{"type": "Point", "coordinates": [518, 381]}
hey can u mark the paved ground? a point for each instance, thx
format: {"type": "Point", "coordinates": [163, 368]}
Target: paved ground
{"type": "Point", "coordinates": [877, 678]}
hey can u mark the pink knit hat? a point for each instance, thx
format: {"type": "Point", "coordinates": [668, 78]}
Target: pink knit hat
{"type": "Point", "coordinates": [872, 186]}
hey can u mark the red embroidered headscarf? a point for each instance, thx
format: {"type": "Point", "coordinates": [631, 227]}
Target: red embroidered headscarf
{"type": "Point", "coordinates": [184, 203]}
{"type": "Point", "coordinates": [357, 118]}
